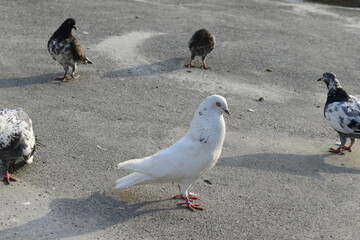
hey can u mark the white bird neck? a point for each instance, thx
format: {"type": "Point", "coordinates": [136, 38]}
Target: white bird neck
{"type": "Point", "coordinates": [208, 127]}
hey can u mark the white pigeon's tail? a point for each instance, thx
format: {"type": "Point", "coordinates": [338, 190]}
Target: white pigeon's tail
{"type": "Point", "coordinates": [132, 179]}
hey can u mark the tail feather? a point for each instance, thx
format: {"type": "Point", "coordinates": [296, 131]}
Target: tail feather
{"type": "Point", "coordinates": [132, 179]}
{"type": "Point", "coordinates": [87, 61]}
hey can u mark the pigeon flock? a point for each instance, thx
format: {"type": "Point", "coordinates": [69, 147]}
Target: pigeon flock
{"type": "Point", "coordinates": [190, 157]}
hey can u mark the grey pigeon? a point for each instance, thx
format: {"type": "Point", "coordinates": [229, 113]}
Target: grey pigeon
{"type": "Point", "coordinates": [201, 44]}
{"type": "Point", "coordinates": [187, 159]}
{"type": "Point", "coordinates": [342, 111]}
{"type": "Point", "coordinates": [66, 49]}
{"type": "Point", "coordinates": [17, 139]}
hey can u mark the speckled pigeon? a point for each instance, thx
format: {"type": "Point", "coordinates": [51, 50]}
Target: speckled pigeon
{"type": "Point", "coordinates": [17, 139]}
{"type": "Point", "coordinates": [342, 111]}
{"type": "Point", "coordinates": [66, 49]}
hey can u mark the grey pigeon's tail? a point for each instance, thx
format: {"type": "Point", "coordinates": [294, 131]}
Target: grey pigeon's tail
{"type": "Point", "coordinates": [87, 61]}
{"type": "Point", "coordinates": [132, 179]}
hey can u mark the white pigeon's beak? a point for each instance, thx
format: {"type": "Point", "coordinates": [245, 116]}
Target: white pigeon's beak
{"type": "Point", "coordinates": [226, 111]}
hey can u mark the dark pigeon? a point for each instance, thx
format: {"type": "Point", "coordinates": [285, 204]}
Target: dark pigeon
{"type": "Point", "coordinates": [342, 111]}
{"type": "Point", "coordinates": [66, 49]}
{"type": "Point", "coordinates": [201, 44]}
{"type": "Point", "coordinates": [17, 139]}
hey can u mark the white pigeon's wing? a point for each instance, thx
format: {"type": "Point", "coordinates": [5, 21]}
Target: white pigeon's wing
{"type": "Point", "coordinates": [187, 158]}
{"type": "Point", "coordinates": [344, 116]}
{"type": "Point", "coordinates": [10, 130]}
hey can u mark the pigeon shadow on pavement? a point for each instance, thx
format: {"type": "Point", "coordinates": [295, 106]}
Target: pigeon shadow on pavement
{"type": "Point", "coordinates": [69, 217]}
{"type": "Point", "coordinates": [39, 79]}
{"type": "Point", "coordinates": [166, 66]}
{"type": "Point", "coordinates": [302, 165]}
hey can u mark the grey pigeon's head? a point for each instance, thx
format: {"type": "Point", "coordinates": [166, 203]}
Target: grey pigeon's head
{"type": "Point", "coordinates": [217, 103]}
{"type": "Point", "coordinates": [330, 80]}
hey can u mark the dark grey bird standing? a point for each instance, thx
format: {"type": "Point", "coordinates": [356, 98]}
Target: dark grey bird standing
{"type": "Point", "coordinates": [17, 139]}
{"type": "Point", "coordinates": [201, 44]}
{"type": "Point", "coordinates": [66, 49]}
{"type": "Point", "coordinates": [342, 112]}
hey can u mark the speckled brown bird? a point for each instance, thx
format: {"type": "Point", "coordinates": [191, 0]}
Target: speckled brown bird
{"type": "Point", "coordinates": [201, 44]}
{"type": "Point", "coordinates": [66, 49]}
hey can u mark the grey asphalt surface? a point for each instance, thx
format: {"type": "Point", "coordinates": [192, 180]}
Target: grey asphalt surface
{"type": "Point", "coordinates": [275, 178]}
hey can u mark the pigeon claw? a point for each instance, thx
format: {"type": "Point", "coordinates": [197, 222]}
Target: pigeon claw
{"type": "Point", "coordinates": [189, 196]}
{"type": "Point", "coordinates": [64, 78]}
{"type": "Point", "coordinates": [191, 206]}
{"type": "Point", "coordinates": [8, 179]}
{"type": "Point", "coordinates": [205, 67]}
{"type": "Point", "coordinates": [337, 150]}
{"type": "Point", "coordinates": [189, 65]}
{"type": "Point", "coordinates": [349, 148]}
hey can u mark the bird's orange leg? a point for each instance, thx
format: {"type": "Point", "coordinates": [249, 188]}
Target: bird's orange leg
{"type": "Point", "coordinates": [205, 67]}
{"type": "Point", "coordinates": [190, 197]}
{"type": "Point", "coordinates": [349, 148]}
{"type": "Point", "coordinates": [337, 150]}
{"type": "Point", "coordinates": [7, 178]}
{"type": "Point", "coordinates": [189, 65]}
{"type": "Point", "coordinates": [190, 205]}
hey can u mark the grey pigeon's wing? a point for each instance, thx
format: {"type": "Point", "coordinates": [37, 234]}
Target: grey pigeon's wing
{"type": "Point", "coordinates": [355, 102]}
{"type": "Point", "coordinates": [10, 129]}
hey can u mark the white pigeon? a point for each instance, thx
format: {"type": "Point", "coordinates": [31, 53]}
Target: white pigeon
{"type": "Point", "coordinates": [342, 112]}
{"type": "Point", "coordinates": [17, 139]}
{"type": "Point", "coordinates": [187, 159]}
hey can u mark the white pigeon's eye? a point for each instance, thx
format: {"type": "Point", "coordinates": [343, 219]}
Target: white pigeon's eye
{"type": "Point", "coordinates": [218, 104]}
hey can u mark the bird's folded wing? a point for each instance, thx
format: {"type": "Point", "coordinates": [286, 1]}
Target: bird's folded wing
{"type": "Point", "coordinates": [10, 130]}
{"type": "Point", "coordinates": [350, 119]}
{"type": "Point", "coordinates": [170, 163]}
{"type": "Point", "coordinates": [77, 49]}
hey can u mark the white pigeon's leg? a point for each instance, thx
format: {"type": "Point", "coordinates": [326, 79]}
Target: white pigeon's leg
{"type": "Point", "coordinates": [184, 191]}
{"type": "Point", "coordinates": [342, 144]}
{"type": "Point", "coordinates": [190, 196]}
{"type": "Point", "coordinates": [203, 62]}
{"type": "Point", "coordinates": [349, 148]}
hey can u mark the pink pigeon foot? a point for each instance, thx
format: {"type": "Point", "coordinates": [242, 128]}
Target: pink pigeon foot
{"type": "Point", "coordinates": [7, 178]}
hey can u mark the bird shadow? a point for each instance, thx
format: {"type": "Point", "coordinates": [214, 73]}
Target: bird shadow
{"type": "Point", "coordinates": [302, 165]}
{"type": "Point", "coordinates": [39, 79]}
{"type": "Point", "coordinates": [69, 217]}
{"type": "Point", "coordinates": [166, 66]}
